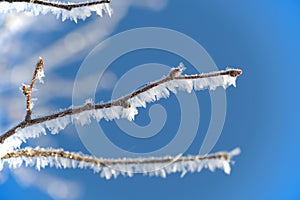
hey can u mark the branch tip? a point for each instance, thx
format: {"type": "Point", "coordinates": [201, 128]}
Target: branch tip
{"type": "Point", "coordinates": [235, 72]}
{"type": "Point", "coordinates": [40, 64]}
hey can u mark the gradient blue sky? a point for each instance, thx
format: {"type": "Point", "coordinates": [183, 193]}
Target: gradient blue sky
{"type": "Point", "coordinates": [260, 37]}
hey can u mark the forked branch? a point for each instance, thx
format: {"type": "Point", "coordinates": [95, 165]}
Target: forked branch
{"type": "Point", "coordinates": [123, 101]}
{"type": "Point", "coordinates": [126, 106]}
{"type": "Point", "coordinates": [27, 90]}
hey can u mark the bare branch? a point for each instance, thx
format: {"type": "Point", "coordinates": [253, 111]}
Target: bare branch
{"type": "Point", "coordinates": [66, 6]}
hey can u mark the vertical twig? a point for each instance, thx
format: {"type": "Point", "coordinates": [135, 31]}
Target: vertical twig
{"type": "Point", "coordinates": [27, 90]}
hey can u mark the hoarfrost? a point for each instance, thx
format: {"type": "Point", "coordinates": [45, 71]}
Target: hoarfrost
{"type": "Point", "coordinates": [41, 75]}
{"type": "Point", "coordinates": [159, 166]}
{"type": "Point", "coordinates": [115, 112]}
{"type": "Point", "coordinates": [58, 124]}
{"type": "Point", "coordinates": [74, 14]}
{"type": "Point", "coordinates": [21, 135]}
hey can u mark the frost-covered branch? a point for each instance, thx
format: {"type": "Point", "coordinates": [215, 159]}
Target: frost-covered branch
{"type": "Point", "coordinates": [66, 6]}
{"type": "Point", "coordinates": [158, 166]}
{"type": "Point", "coordinates": [73, 11]}
{"type": "Point", "coordinates": [124, 107]}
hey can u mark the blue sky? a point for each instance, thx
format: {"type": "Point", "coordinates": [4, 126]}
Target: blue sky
{"type": "Point", "coordinates": [260, 37]}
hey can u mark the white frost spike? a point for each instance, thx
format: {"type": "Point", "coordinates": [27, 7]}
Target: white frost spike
{"type": "Point", "coordinates": [108, 168]}
{"type": "Point", "coordinates": [89, 102]}
{"type": "Point", "coordinates": [58, 124]}
{"type": "Point", "coordinates": [226, 167]}
{"type": "Point", "coordinates": [235, 152]}
{"type": "Point", "coordinates": [83, 118]}
{"type": "Point", "coordinates": [74, 14]}
{"type": "Point", "coordinates": [108, 9]}
{"type": "Point", "coordinates": [40, 75]}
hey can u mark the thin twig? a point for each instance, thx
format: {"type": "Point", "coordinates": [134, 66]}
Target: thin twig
{"type": "Point", "coordinates": [119, 102]}
{"type": "Point", "coordinates": [66, 6]}
{"type": "Point", "coordinates": [28, 90]}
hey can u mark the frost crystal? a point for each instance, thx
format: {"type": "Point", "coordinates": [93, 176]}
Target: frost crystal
{"type": "Point", "coordinates": [74, 14]}
{"type": "Point", "coordinates": [58, 124]}
{"type": "Point", "coordinates": [40, 75]}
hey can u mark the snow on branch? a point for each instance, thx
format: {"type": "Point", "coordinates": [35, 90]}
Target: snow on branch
{"type": "Point", "coordinates": [73, 11]}
{"type": "Point", "coordinates": [124, 107]}
{"type": "Point", "coordinates": [155, 166]}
